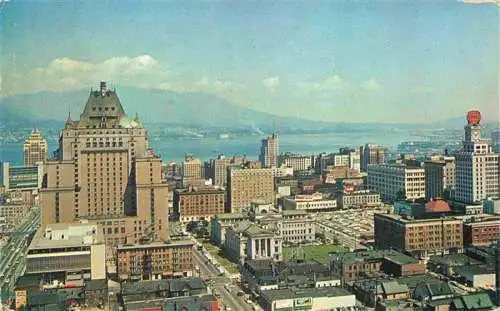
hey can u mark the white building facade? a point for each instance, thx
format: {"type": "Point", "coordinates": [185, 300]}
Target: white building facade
{"type": "Point", "coordinates": [396, 181]}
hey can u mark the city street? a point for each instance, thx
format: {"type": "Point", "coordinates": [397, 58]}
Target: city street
{"type": "Point", "coordinates": [13, 253]}
{"type": "Point", "coordinates": [221, 284]}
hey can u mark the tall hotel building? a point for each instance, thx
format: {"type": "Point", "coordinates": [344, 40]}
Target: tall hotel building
{"type": "Point", "coordinates": [35, 149]}
{"type": "Point", "coordinates": [439, 175]}
{"type": "Point", "coordinates": [269, 151]}
{"type": "Point", "coordinates": [105, 173]}
{"type": "Point", "coordinates": [477, 165]}
{"type": "Point", "coordinates": [248, 184]}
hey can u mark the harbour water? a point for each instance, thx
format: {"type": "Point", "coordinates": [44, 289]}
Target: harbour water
{"type": "Point", "coordinates": [206, 148]}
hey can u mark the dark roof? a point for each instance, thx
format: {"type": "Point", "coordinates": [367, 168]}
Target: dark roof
{"type": "Point", "coordinates": [288, 293]}
{"type": "Point", "coordinates": [191, 283]}
{"type": "Point", "coordinates": [28, 281]}
{"type": "Point", "coordinates": [96, 285]}
{"type": "Point", "coordinates": [46, 298]}
{"type": "Point", "coordinates": [476, 301]}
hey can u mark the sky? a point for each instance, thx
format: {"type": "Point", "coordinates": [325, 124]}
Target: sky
{"type": "Point", "coordinates": [352, 61]}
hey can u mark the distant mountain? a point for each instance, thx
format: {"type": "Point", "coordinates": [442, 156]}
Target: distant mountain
{"type": "Point", "coordinates": [153, 106]}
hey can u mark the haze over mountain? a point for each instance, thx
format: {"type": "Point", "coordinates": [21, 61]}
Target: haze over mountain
{"type": "Point", "coordinates": [168, 107]}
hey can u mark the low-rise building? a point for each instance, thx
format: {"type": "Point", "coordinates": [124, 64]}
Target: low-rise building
{"type": "Point", "coordinates": [419, 236]}
{"type": "Point", "coordinates": [355, 265]}
{"type": "Point", "coordinates": [316, 202]}
{"type": "Point", "coordinates": [266, 274]}
{"type": "Point", "coordinates": [433, 292]}
{"type": "Point", "coordinates": [67, 253]}
{"type": "Point", "coordinates": [157, 294]}
{"type": "Point", "coordinates": [359, 198]}
{"type": "Point", "coordinates": [370, 291]}
{"type": "Point", "coordinates": [478, 276]}
{"type": "Point", "coordinates": [155, 260]}
{"type": "Point", "coordinates": [220, 223]}
{"type": "Point", "coordinates": [194, 204]}
{"type": "Point", "coordinates": [247, 240]}
{"type": "Point", "coordinates": [314, 299]}
{"type": "Point", "coordinates": [482, 231]}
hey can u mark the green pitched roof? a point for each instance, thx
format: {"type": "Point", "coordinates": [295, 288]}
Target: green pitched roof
{"type": "Point", "coordinates": [475, 301]}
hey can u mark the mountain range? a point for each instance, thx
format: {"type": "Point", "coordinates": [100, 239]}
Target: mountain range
{"type": "Point", "coordinates": [176, 108]}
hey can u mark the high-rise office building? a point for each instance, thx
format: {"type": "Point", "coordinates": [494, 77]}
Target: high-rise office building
{"type": "Point", "coordinates": [396, 181]}
{"type": "Point", "coordinates": [371, 154]}
{"type": "Point", "coordinates": [219, 168]}
{"type": "Point", "coordinates": [248, 184]}
{"type": "Point", "coordinates": [477, 166]}
{"type": "Point", "coordinates": [439, 175]}
{"type": "Point", "coordinates": [105, 173]}
{"type": "Point", "coordinates": [35, 149]}
{"type": "Point", "coordinates": [192, 170]}
{"type": "Point", "coordinates": [269, 151]}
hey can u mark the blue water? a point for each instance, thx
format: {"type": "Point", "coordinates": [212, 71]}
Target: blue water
{"type": "Point", "coordinates": [206, 148]}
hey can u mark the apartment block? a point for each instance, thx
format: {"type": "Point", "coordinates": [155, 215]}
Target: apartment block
{"type": "Point", "coordinates": [155, 260]}
{"type": "Point", "coordinates": [248, 184]}
{"type": "Point", "coordinates": [195, 204]}
{"type": "Point", "coordinates": [419, 236]}
{"type": "Point", "coordinates": [482, 231]}
{"type": "Point", "coordinates": [396, 181]}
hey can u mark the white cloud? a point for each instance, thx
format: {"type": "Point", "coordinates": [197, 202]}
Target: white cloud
{"type": "Point", "coordinates": [271, 83]}
{"type": "Point", "coordinates": [333, 82]}
{"type": "Point", "coordinates": [213, 85]}
{"type": "Point", "coordinates": [67, 74]}
{"type": "Point", "coordinates": [371, 85]}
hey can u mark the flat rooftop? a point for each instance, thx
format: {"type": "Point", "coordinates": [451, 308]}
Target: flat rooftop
{"type": "Point", "coordinates": [408, 220]}
{"type": "Point", "coordinates": [77, 235]}
{"type": "Point", "coordinates": [288, 293]}
{"type": "Point", "coordinates": [173, 243]}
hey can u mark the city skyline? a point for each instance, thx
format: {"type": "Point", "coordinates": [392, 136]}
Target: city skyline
{"type": "Point", "coordinates": [363, 62]}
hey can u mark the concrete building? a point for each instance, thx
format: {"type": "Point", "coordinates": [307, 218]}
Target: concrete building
{"type": "Point", "coordinates": [195, 203]}
{"type": "Point", "coordinates": [219, 167]}
{"type": "Point", "coordinates": [248, 184]}
{"type": "Point", "coordinates": [23, 178]}
{"type": "Point", "coordinates": [67, 253]}
{"type": "Point", "coordinates": [491, 206]}
{"type": "Point", "coordinates": [495, 138]}
{"type": "Point", "coordinates": [192, 170]}
{"type": "Point", "coordinates": [221, 222]}
{"type": "Point", "coordinates": [439, 175]}
{"type": "Point", "coordinates": [371, 154]}
{"type": "Point", "coordinates": [316, 202]}
{"type": "Point", "coordinates": [269, 151]}
{"type": "Point", "coordinates": [296, 161]}
{"type": "Point", "coordinates": [341, 160]}
{"type": "Point", "coordinates": [105, 172]}
{"type": "Point", "coordinates": [477, 166]}
{"type": "Point", "coordinates": [245, 241]}
{"type": "Point", "coordinates": [13, 213]}
{"type": "Point", "coordinates": [314, 299]}
{"type": "Point", "coordinates": [297, 226]}
{"type": "Point", "coordinates": [35, 149]}
{"type": "Point", "coordinates": [359, 198]}
{"type": "Point", "coordinates": [396, 181]}
{"type": "Point", "coordinates": [481, 231]}
{"type": "Point", "coordinates": [419, 236]}
{"type": "Point", "coordinates": [155, 260]}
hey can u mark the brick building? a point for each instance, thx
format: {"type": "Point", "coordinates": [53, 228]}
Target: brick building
{"type": "Point", "coordinates": [194, 203]}
{"type": "Point", "coordinates": [155, 260]}
{"type": "Point", "coordinates": [482, 232]}
{"type": "Point", "coordinates": [419, 236]}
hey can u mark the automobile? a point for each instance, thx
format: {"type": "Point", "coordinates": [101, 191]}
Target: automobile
{"type": "Point", "coordinates": [228, 308]}
{"type": "Point", "coordinates": [240, 293]}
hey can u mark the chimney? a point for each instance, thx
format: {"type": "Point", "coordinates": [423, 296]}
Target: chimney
{"type": "Point", "coordinates": [103, 88]}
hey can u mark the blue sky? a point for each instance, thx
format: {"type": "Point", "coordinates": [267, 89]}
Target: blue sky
{"type": "Point", "coordinates": [359, 61]}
